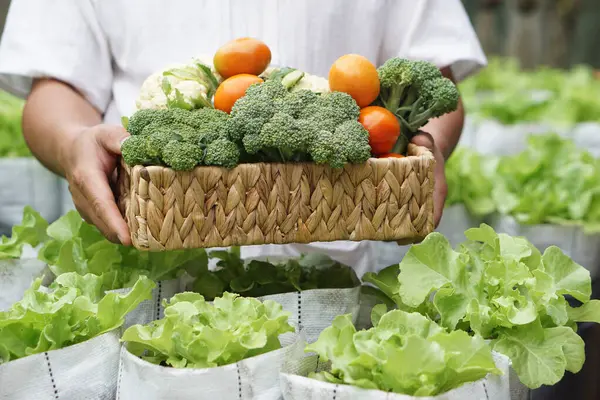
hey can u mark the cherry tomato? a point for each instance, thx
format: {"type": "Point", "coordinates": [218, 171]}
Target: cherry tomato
{"type": "Point", "coordinates": [357, 76]}
{"type": "Point", "coordinates": [232, 89]}
{"type": "Point", "coordinates": [242, 56]}
{"type": "Point", "coordinates": [383, 128]}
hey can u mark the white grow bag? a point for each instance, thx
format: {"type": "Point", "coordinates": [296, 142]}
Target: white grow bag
{"type": "Point", "coordinates": [314, 310]}
{"type": "Point", "coordinates": [16, 276]}
{"type": "Point", "coordinates": [456, 219]}
{"type": "Point", "coordinates": [24, 181]}
{"type": "Point", "coordinates": [255, 378]}
{"type": "Point", "coordinates": [86, 370]}
{"type": "Point", "coordinates": [587, 136]}
{"type": "Point", "coordinates": [152, 309]}
{"type": "Point", "coordinates": [572, 240]}
{"type": "Point", "coordinates": [296, 386]}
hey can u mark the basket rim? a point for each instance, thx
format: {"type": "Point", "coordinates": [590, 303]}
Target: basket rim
{"type": "Point", "coordinates": [415, 153]}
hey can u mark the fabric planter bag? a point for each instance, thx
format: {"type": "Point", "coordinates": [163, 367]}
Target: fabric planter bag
{"type": "Point", "coordinates": [255, 378]}
{"type": "Point", "coordinates": [366, 304]}
{"type": "Point", "coordinates": [456, 219]}
{"type": "Point", "coordinates": [314, 310]}
{"type": "Point", "coordinates": [151, 310]}
{"type": "Point", "coordinates": [296, 386]}
{"type": "Point", "coordinates": [86, 370]}
{"type": "Point", "coordinates": [388, 253]}
{"type": "Point", "coordinates": [572, 240]}
{"type": "Point", "coordinates": [16, 276]}
{"type": "Point", "coordinates": [493, 138]}
{"type": "Point", "coordinates": [587, 136]}
{"type": "Point", "coordinates": [26, 182]}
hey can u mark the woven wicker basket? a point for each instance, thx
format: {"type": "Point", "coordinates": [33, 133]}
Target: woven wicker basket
{"type": "Point", "coordinates": [384, 199]}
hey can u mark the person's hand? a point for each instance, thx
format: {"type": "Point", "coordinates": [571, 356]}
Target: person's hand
{"type": "Point", "coordinates": [89, 163]}
{"type": "Point", "coordinates": [441, 188]}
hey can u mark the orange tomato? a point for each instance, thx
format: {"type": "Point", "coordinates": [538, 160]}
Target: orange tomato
{"type": "Point", "coordinates": [232, 89]}
{"type": "Point", "coordinates": [242, 56]}
{"type": "Point", "coordinates": [383, 128]}
{"type": "Point", "coordinates": [357, 76]}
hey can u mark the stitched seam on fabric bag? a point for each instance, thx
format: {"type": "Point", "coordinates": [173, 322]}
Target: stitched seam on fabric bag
{"type": "Point", "coordinates": [487, 396]}
{"type": "Point", "coordinates": [335, 392]}
{"type": "Point", "coordinates": [120, 376]}
{"type": "Point", "coordinates": [51, 375]}
{"type": "Point", "coordinates": [237, 366]}
{"type": "Point", "coordinates": [299, 311]}
{"type": "Point", "coordinates": [158, 299]}
{"type": "Point", "coordinates": [318, 359]}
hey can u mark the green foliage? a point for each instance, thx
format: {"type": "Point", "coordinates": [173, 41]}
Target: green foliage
{"type": "Point", "coordinates": [31, 231]}
{"type": "Point", "coordinates": [12, 142]}
{"type": "Point", "coordinates": [74, 310]}
{"type": "Point", "coordinates": [197, 334]}
{"type": "Point", "coordinates": [505, 92]}
{"type": "Point", "coordinates": [261, 278]}
{"type": "Point", "coordinates": [504, 289]}
{"type": "Point", "coordinates": [403, 353]}
{"type": "Point", "coordinates": [76, 246]}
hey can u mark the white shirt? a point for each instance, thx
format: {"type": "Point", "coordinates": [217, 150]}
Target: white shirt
{"type": "Point", "coordinates": [106, 48]}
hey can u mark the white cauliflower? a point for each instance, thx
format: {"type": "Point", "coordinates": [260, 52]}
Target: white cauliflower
{"type": "Point", "coordinates": [185, 86]}
{"type": "Point", "coordinates": [313, 83]}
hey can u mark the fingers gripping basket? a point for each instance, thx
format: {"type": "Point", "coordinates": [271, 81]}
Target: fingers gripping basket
{"type": "Point", "coordinates": [383, 199]}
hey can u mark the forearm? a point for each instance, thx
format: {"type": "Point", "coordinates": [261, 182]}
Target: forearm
{"type": "Point", "coordinates": [53, 117]}
{"type": "Point", "coordinates": [447, 129]}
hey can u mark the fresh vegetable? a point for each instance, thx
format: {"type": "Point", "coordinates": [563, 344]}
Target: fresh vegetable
{"type": "Point", "coordinates": [357, 76]}
{"type": "Point", "coordinates": [74, 310]}
{"type": "Point", "coordinates": [261, 278]}
{"type": "Point", "coordinates": [185, 86]}
{"type": "Point", "coordinates": [392, 155]}
{"type": "Point", "coordinates": [242, 56]}
{"type": "Point", "coordinates": [273, 124]}
{"type": "Point", "coordinates": [180, 139]}
{"type": "Point", "coordinates": [31, 231]}
{"type": "Point", "coordinates": [75, 246]}
{"type": "Point", "coordinates": [471, 179]}
{"type": "Point", "coordinates": [231, 89]}
{"type": "Point", "coordinates": [383, 128]}
{"type": "Point", "coordinates": [12, 142]}
{"type": "Point", "coordinates": [403, 353]}
{"type": "Point", "coordinates": [504, 289]}
{"type": "Point", "coordinates": [197, 334]}
{"type": "Point", "coordinates": [552, 181]}
{"type": "Point", "coordinates": [415, 91]}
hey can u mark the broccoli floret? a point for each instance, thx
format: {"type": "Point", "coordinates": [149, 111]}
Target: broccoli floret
{"type": "Point", "coordinates": [415, 92]}
{"type": "Point", "coordinates": [295, 103]}
{"type": "Point", "coordinates": [331, 109]}
{"type": "Point", "coordinates": [210, 123]}
{"type": "Point", "coordinates": [156, 142]}
{"type": "Point", "coordinates": [134, 152]}
{"type": "Point", "coordinates": [354, 140]}
{"type": "Point", "coordinates": [143, 118]}
{"type": "Point", "coordinates": [223, 153]}
{"type": "Point", "coordinates": [348, 143]}
{"type": "Point", "coordinates": [282, 134]}
{"type": "Point", "coordinates": [182, 156]}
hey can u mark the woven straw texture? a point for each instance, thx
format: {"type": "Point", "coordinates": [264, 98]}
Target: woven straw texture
{"type": "Point", "coordinates": [383, 199]}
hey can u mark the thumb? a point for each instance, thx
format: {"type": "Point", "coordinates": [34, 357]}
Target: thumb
{"type": "Point", "coordinates": [111, 137]}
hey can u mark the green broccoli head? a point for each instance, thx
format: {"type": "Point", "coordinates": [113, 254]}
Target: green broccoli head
{"type": "Point", "coordinates": [353, 141]}
{"type": "Point", "coordinates": [252, 144]}
{"type": "Point", "coordinates": [156, 142]}
{"type": "Point", "coordinates": [331, 109]}
{"type": "Point", "coordinates": [182, 156]}
{"type": "Point", "coordinates": [145, 117]}
{"type": "Point", "coordinates": [441, 96]}
{"type": "Point", "coordinates": [283, 134]}
{"type": "Point", "coordinates": [223, 153]}
{"type": "Point", "coordinates": [210, 123]}
{"type": "Point", "coordinates": [325, 149]}
{"type": "Point", "coordinates": [134, 151]}
{"type": "Point", "coordinates": [295, 103]}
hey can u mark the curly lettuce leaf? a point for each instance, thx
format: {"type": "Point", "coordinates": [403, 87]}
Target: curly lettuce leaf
{"type": "Point", "coordinates": [403, 353]}
{"type": "Point", "coordinates": [198, 334]}
{"type": "Point", "coordinates": [31, 231]}
{"type": "Point", "coordinates": [74, 310]}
